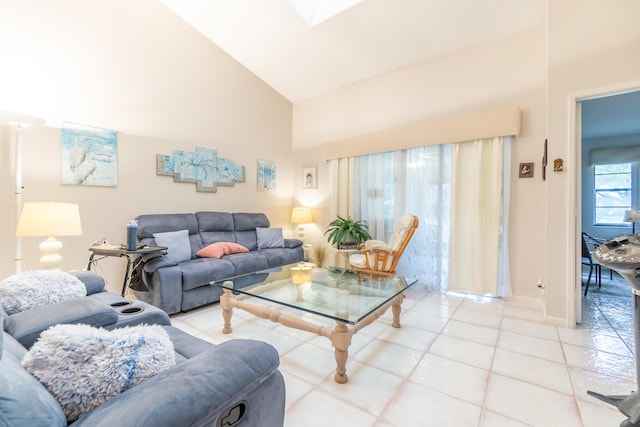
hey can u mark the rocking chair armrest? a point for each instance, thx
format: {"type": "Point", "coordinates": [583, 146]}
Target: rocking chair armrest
{"type": "Point", "coordinates": [375, 244]}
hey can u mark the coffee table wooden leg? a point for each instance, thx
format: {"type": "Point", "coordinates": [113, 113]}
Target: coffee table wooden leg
{"type": "Point", "coordinates": [227, 310]}
{"type": "Point", "coordinates": [341, 339]}
{"type": "Point", "coordinates": [395, 309]}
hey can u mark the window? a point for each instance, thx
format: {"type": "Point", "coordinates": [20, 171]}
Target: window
{"type": "Point", "coordinates": [613, 193]}
{"type": "Point", "coordinates": [417, 180]}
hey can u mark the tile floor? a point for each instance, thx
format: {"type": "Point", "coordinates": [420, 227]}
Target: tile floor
{"type": "Point", "coordinates": [456, 361]}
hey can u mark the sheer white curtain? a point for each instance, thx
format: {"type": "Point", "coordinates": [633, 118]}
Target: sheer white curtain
{"type": "Point", "coordinates": [478, 254]}
{"type": "Point", "coordinates": [417, 181]}
{"type": "Point", "coordinates": [462, 205]}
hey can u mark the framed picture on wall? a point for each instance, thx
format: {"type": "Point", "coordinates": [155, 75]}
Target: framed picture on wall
{"type": "Point", "coordinates": [526, 170]}
{"type": "Point", "coordinates": [310, 177]}
{"type": "Point", "coordinates": [266, 175]}
{"type": "Point", "coordinates": [89, 156]}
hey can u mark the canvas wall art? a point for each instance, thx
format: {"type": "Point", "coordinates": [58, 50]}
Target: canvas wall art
{"type": "Point", "coordinates": [202, 167]}
{"type": "Point", "coordinates": [266, 175]}
{"type": "Point", "coordinates": [89, 156]}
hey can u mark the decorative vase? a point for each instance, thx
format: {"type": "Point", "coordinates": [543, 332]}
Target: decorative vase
{"type": "Point", "coordinates": [319, 274]}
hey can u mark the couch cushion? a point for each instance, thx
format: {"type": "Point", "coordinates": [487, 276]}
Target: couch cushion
{"type": "Point", "coordinates": [216, 227]}
{"type": "Point", "coordinates": [177, 242]}
{"type": "Point", "coordinates": [245, 228]}
{"type": "Point", "coordinates": [23, 400]}
{"type": "Point", "coordinates": [162, 223]}
{"type": "Point", "coordinates": [83, 367]}
{"type": "Point", "coordinates": [248, 263]}
{"type": "Point", "coordinates": [269, 238]}
{"type": "Point", "coordinates": [217, 250]}
{"type": "Point", "coordinates": [202, 271]}
{"type": "Point", "coordinates": [277, 257]}
{"type": "Point", "coordinates": [38, 288]}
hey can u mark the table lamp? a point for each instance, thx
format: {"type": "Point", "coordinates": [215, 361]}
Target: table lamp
{"type": "Point", "coordinates": [50, 219]}
{"type": "Point", "coordinates": [632, 217]}
{"type": "Point", "coordinates": [301, 216]}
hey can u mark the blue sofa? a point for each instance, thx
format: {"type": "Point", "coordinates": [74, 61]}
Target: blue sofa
{"type": "Point", "coordinates": [99, 308]}
{"type": "Point", "coordinates": [236, 383]}
{"type": "Point", "coordinates": [183, 284]}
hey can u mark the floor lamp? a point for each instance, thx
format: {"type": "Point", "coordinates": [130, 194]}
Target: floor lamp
{"type": "Point", "coordinates": [20, 121]}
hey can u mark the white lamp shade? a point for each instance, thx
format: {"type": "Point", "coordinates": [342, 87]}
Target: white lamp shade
{"type": "Point", "coordinates": [631, 216]}
{"type": "Point", "coordinates": [49, 219]}
{"type": "Point", "coordinates": [301, 216]}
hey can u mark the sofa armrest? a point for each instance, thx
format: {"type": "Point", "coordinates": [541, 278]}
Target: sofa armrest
{"type": "Point", "coordinates": [200, 390]}
{"type": "Point", "coordinates": [154, 264]}
{"type": "Point", "coordinates": [292, 243]}
{"type": "Point", "coordinates": [27, 326]}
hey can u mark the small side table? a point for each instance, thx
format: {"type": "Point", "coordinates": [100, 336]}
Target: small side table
{"type": "Point", "coordinates": [346, 253]}
{"type": "Point", "coordinates": [116, 251]}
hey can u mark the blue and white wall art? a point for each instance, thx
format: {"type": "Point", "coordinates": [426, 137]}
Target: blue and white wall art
{"type": "Point", "coordinates": [89, 156]}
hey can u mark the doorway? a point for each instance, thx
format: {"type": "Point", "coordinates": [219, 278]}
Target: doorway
{"type": "Point", "coordinates": [604, 122]}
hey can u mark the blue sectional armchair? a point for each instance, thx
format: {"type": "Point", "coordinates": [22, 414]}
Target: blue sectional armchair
{"type": "Point", "coordinates": [180, 280]}
{"type": "Point", "coordinates": [236, 383]}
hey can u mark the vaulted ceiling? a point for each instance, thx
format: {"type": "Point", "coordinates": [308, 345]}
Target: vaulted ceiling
{"type": "Point", "coordinates": [371, 38]}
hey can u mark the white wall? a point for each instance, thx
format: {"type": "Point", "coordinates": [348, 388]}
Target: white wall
{"type": "Point", "coordinates": [503, 74]}
{"type": "Point", "coordinates": [136, 68]}
{"type": "Point", "coordinates": [593, 46]}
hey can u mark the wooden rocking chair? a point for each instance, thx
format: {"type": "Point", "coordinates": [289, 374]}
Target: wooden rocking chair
{"type": "Point", "coordinates": [378, 257]}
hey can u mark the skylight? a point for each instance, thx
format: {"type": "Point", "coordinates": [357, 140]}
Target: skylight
{"type": "Point", "coordinates": [314, 12]}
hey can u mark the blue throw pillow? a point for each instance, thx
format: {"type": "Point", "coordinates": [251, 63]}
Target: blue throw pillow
{"type": "Point", "coordinates": [177, 242]}
{"type": "Point", "coordinates": [269, 238]}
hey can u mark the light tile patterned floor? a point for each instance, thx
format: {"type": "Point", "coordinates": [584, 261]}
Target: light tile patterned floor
{"type": "Point", "coordinates": [456, 361]}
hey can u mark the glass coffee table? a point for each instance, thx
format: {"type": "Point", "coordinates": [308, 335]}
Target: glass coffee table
{"type": "Point", "coordinates": [352, 299]}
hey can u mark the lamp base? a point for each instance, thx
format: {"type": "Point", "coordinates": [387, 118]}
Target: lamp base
{"type": "Point", "coordinates": [300, 231]}
{"type": "Point", "coordinates": [50, 249]}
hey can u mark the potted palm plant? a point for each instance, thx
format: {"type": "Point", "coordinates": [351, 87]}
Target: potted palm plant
{"type": "Point", "coordinates": [343, 232]}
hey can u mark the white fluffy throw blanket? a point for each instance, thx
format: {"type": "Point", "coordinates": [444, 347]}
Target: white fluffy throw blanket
{"type": "Point", "coordinates": [83, 367]}
{"type": "Point", "coordinates": [37, 288]}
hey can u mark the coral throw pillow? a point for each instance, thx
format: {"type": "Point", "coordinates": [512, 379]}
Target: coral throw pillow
{"type": "Point", "coordinates": [218, 249]}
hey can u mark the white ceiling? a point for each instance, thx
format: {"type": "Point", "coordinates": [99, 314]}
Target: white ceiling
{"type": "Point", "coordinates": [611, 115]}
{"type": "Point", "coordinates": [375, 36]}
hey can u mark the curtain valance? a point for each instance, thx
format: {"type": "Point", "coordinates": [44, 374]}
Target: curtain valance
{"type": "Point", "coordinates": [614, 155]}
{"type": "Point", "coordinates": [486, 124]}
